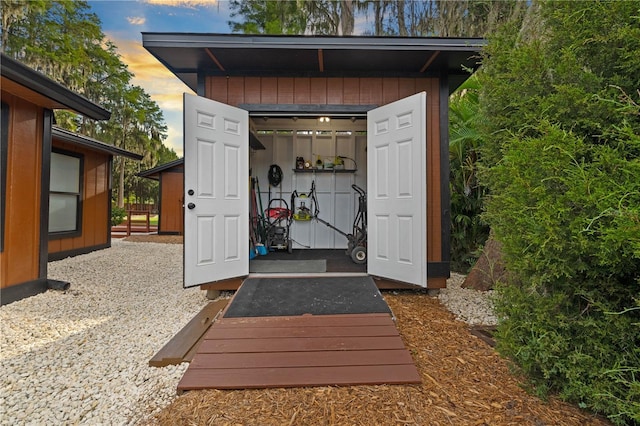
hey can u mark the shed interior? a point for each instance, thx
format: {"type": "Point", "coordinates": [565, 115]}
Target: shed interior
{"type": "Point", "coordinates": [329, 139]}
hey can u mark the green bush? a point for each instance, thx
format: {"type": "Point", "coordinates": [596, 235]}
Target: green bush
{"type": "Point", "coordinates": [117, 215]}
{"type": "Point", "coordinates": [561, 159]}
{"type": "Point", "coordinates": [568, 216]}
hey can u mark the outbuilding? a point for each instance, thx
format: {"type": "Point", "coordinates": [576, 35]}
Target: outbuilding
{"type": "Point", "coordinates": [171, 195]}
{"type": "Point", "coordinates": [375, 106]}
{"type": "Point", "coordinates": [55, 185]}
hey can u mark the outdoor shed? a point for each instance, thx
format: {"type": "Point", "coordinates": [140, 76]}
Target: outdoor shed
{"type": "Point", "coordinates": [84, 224]}
{"type": "Point", "coordinates": [171, 180]}
{"type": "Point", "coordinates": [28, 101]}
{"type": "Point", "coordinates": [378, 103]}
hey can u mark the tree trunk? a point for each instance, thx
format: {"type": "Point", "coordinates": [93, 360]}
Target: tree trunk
{"type": "Point", "coordinates": [121, 184]}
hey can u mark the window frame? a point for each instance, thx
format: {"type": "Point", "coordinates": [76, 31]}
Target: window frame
{"type": "Point", "coordinates": [78, 231]}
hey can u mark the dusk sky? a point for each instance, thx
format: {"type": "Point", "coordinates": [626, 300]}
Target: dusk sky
{"type": "Point", "coordinates": [124, 21]}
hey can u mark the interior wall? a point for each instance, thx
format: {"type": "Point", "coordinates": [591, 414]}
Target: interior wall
{"type": "Point", "coordinates": [336, 199]}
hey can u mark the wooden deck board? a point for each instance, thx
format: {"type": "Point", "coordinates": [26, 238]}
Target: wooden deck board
{"type": "Point", "coordinates": [246, 378]}
{"type": "Point", "coordinates": [182, 346]}
{"type": "Point", "coordinates": [301, 359]}
{"type": "Point", "coordinates": [216, 333]}
{"type": "Point", "coordinates": [259, 352]}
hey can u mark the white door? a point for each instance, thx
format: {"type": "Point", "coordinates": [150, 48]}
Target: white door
{"type": "Point", "coordinates": [216, 191]}
{"type": "Point", "coordinates": [397, 191]}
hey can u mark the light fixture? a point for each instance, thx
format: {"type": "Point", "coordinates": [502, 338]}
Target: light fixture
{"type": "Point", "coordinates": [324, 119]}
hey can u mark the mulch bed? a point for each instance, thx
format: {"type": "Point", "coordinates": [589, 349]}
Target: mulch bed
{"type": "Point", "coordinates": [464, 381]}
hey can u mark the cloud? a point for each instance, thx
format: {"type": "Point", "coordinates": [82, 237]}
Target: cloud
{"type": "Point", "coordinates": [136, 20]}
{"type": "Point", "coordinates": [191, 4]}
{"type": "Point", "coordinates": [161, 84]}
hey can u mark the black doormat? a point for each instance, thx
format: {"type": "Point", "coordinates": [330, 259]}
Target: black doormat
{"type": "Point", "coordinates": [265, 297]}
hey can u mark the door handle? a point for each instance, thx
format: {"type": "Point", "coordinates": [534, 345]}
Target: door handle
{"type": "Point", "coordinates": [191, 206]}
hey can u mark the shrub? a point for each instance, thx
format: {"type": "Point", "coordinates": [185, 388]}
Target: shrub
{"type": "Point", "coordinates": [568, 216]}
{"type": "Point", "coordinates": [117, 215]}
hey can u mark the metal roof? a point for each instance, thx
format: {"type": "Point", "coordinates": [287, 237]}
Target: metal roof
{"type": "Point", "coordinates": [92, 144]}
{"type": "Point", "coordinates": [188, 54]}
{"type": "Point", "coordinates": [43, 85]}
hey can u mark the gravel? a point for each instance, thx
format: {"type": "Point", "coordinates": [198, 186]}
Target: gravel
{"type": "Point", "coordinates": [81, 356]}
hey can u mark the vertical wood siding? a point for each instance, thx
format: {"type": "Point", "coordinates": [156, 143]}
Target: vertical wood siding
{"type": "Point", "coordinates": [171, 186]}
{"type": "Point", "coordinates": [19, 262]}
{"type": "Point", "coordinates": [350, 91]}
{"type": "Point", "coordinates": [95, 200]}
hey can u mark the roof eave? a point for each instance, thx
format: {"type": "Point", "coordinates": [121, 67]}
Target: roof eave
{"type": "Point", "coordinates": [92, 144]}
{"type": "Point", "coordinates": [38, 82]}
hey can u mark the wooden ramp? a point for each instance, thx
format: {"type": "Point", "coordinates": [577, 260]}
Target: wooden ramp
{"type": "Point", "coordinates": [300, 351]}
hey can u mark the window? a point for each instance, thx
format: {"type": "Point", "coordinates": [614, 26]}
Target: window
{"type": "Point", "coordinates": [65, 200]}
{"type": "Point", "coordinates": [4, 153]}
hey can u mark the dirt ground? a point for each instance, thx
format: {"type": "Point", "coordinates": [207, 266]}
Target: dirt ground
{"type": "Point", "coordinates": [464, 382]}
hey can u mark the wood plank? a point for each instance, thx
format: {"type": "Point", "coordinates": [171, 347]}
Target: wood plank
{"type": "Point", "coordinates": [244, 378]}
{"type": "Point", "coordinates": [219, 333]}
{"type": "Point", "coordinates": [174, 351]}
{"type": "Point", "coordinates": [289, 344]}
{"type": "Point", "coordinates": [308, 321]}
{"type": "Point", "coordinates": [301, 359]}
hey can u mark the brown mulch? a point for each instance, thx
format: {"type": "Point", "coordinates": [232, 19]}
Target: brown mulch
{"type": "Point", "coordinates": [464, 382]}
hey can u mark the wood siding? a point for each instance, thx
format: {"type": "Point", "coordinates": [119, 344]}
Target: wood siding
{"type": "Point", "coordinates": [351, 91]}
{"type": "Point", "coordinates": [171, 199]}
{"type": "Point", "coordinates": [95, 202]}
{"type": "Point", "coordinates": [20, 260]}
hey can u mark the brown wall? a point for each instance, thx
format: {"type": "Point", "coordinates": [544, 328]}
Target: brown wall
{"type": "Point", "coordinates": [351, 91]}
{"type": "Point", "coordinates": [20, 260]}
{"type": "Point", "coordinates": [95, 202]}
{"type": "Point", "coordinates": [171, 199]}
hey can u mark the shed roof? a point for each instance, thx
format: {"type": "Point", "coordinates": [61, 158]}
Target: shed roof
{"type": "Point", "coordinates": [154, 173]}
{"type": "Point", "coordinates": [187, 54]}
{"type": "Point", "coordinates": [92, 144]}
{"type": "Point", "coordinates": [44, 91]}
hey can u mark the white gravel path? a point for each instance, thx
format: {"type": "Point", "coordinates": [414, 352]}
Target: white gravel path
{"type": "Point", "coordinates": [81, 356]}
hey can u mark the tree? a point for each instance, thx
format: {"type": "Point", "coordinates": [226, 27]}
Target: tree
{"type": "Point", "coordinates": [468, 232]}
{"type": "Point", "coordinates": [64, 40]}
{"type": "Point", "coordinates": [267, 17]}
{"type": "Point", "coordinates": [561, 158]}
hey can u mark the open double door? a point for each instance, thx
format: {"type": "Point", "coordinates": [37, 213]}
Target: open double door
{"type": "Point", "coordinates": [216, 153]}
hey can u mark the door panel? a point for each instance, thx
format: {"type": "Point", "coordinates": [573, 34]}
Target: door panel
{"type": "Point", "coordinates": [397, 194]}
{"type": "Point", "coordinates": [216, 188]}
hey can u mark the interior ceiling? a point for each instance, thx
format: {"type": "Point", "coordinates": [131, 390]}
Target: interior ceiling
{"type": "Point", "coordinates": [186, 55]}
{"type": "Point", "coordinates": [308, 123]}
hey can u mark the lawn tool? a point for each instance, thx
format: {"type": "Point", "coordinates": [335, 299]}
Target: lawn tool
{"type": "Point", "coordinates": [357, 239]}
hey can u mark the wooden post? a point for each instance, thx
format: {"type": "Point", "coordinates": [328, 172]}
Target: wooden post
{"type": "Point", "coordinates": [128, 223]}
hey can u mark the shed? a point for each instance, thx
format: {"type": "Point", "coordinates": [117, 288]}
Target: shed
{"type": "Point", "coordinates": [80, 221]}
{"type": "Point", "coordinates": [28, 101]}
{"type": "Point", "coordinates": [171, 180]}
{"type": "Point", "coordinates": [321, 98]}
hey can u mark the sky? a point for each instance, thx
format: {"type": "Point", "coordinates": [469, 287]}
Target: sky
{"type": "Point", "coordinates": [123, 21]}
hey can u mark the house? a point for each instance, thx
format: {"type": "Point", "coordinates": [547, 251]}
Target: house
{"type": "Point", "coordinates": [380, 104]}
{"type": "Point", "coordinates": [171, 179]}
{"type": "Point", "coordinates": [32, 151]}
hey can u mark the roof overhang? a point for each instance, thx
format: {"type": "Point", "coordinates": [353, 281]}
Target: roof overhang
{"type": "Point", "coordinates": [92, 144]}
{"type": "Point", "coordinates": [189, 55]}
{"type": "Point", "coordinates": [155, 172]}
{"type": "Point", "coordinates": [41, 90]}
